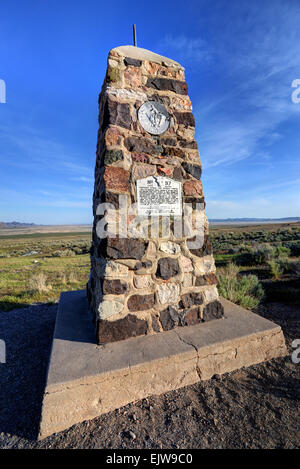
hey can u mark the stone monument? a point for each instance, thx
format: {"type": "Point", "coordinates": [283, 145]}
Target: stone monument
{"type": "Point", "coordinates": [152, 277]}
{"type": "Point", "coordinates": [161, 276]}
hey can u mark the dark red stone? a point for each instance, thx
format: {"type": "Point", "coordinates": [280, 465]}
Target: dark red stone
{"type": "Point", "coordinates": [188, 144]}
{"type": "Point", "coordinates": [213, 310]}
{"type": "Point", "coordinates": [167, 267]}
{"type": "Point", "coordinates": [208, 279]}
{"type": "Point", "coordinates": [178, 174]}
{"type": "Point", "coordinates": [168, 141]}
{"type": "Point", "coordinates": [132, 62]}
{"type": "Point", "coordinates": [116, 179]}
{"type": "Point", "coordinates": [191, 299]}
{"type": "Point", "coordinates": [126, 248]}
{"type": "Point", "coordinates": [166, 84]}
{"type": "Point", "coordinates": [113, 331]}
{"type": "Point", "coordinates": [169, 318]}
{"type": "Point", "coordinates": [205, 250]}
{"type": "Point", "coordinates": [195, 202]}
{"type": "Point", "coordinates": [116, 114]}
{"type": "Point", "coordinates": [113, 287]}
{"type": "Point", "coordinates": [173, 151]}
{"type": "Point", "coordinates": [140, 302]}
{"type": "Point", "coordinates": [192, 169]}
{"type": "Point", "coordinates": [140, 145]}
{"type": "Point", "coordinates": [191, 317]}
{"type": "Point", "coordinates": [185, 118]}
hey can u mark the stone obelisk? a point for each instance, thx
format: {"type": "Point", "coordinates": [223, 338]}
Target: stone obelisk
{"type": "Point", "coordinates": [142, 280]}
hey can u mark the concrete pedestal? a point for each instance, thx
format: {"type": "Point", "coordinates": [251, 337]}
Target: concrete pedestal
{"type": "Point", "coordinates": [86, 380]}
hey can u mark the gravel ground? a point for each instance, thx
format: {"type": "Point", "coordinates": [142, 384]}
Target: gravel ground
{"type": "Point", "coordinates": [257, 407]}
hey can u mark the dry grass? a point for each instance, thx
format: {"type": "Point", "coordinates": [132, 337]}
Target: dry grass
{"type": "Point", "coordinates": [38, 284]}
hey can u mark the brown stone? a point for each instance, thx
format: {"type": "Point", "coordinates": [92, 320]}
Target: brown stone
{"type": "Point", "coordinates": [173, 151]}
{"type": "Point", "coordinates": [193, 188]}
{"type": "Point", "coordinates": [123, 248]}
{"type": "Point", "coordinates": [142, 171]}
{"type": "Point", "coordinates": [192, 169]}
{"type": "Point", "coordinates": [169, 141]}
{"type": "Point", "coordinates": [140, 145]}
{"type": "Point", "coordinates": [133, 77]}
{"type": "Point", "coordinates": [178, 173]}
{"type": "Point", "coordinates": [155, 323]}
{"type": "Point", "coordinates": [208, 279]}
{"type": "Point", "coordinates": [110, 198]}
{"type": "Point", "coordinates": [114, 287]}
{"type": "Point", "coordinates": [165, 84]}
{"type": "Point", "coordinates": [116, 179]}
{"type": "Point", "coordinates": [140, 302]}
{"type": "Point", "coordinates": [169, 318]}
{"type": "Point", "coordinates": [195, 202]}
{"type": "Point", "coordinates": [141, 266]}
{"type": "Point", "coordinates": [185, 118]}
{"type": "Point", "coordinates": [140, 157]}
{"type": "Point", "coordinates": [165, 171]}
{"type": "Point", "coordinates": [113, 331]}
{"type": "Point", "coordinates": [112, 136]}
{"type": "Point", "coordinates": [188, 144]}
{"type": "Point", "coordinates": [213, 310]}
{"type": "Point", "coordinates": [116, 114]}
{"type": "Point", "coordinates": [167, 267]}
{"type": "Point", "coordinates": [191, 317]}
{"type": "Point", "coordinates": [191, 299]}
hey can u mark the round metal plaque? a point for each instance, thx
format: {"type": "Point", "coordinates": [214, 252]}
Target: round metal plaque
{"type": "Point", "coordinates": [154, 117]}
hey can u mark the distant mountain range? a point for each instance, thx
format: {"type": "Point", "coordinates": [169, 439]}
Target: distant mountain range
{"type": "Point", "coordinates": [14, 224]}
{"type": "Point", "coordinates": [242, 220]}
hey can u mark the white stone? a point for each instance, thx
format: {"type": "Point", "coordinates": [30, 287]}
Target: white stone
{"type": "Point", "coordinates": [186, 264]}
{"type": "Point", "coordinates": [110, 269]}
{"type": "Point", "coordinates": [210, 294]}
{"type": "Point", "coordinates": [109, 308]}
{"type": "Point", "coordinates": [142, 281]}
{"type": "Point", "coordinates": [187, 280]}
{"type": "Point", "coordinates": [122, 93]}
{"type": "Point", "coordinates": [168, 293]}
{"type": "Point", "coordinates": [170, 248]}
{"type": "Point", "coordinates": [205, 266]}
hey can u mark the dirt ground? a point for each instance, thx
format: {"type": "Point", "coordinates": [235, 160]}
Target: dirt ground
{"type": "Point", "coordinates": [257, 407]}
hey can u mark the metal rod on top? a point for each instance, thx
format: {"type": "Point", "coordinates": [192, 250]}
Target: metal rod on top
{"type": "Point", "coordinates": [134, 35]}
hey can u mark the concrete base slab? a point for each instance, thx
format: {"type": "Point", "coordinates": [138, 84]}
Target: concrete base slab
{"type": "Point", "coordinates": [86, 380]}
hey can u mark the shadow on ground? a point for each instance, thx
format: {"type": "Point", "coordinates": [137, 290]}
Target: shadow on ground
{"type": "Point", "coordinates": [27, 334]}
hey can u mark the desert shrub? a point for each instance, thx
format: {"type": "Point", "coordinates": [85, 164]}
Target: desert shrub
{"type": "Point", "coordinates": [63, 253]}
{"type": "Point", "coordinates": [276, 269]}
{"type": "Point", "coordinates": [282, 251]}
{"type": "Point", "coordinates": [243, 290]}
{"type": "Point", "coordinates": [294, 247]}
{"type": "Point", "coordinates": [38, 284]}
{"type": "Point", "coordinates": [256, 255]}
{"type": "Point", "coordinates": [290, 267]}
{"type": "Point", "coordinates": [73, 278]}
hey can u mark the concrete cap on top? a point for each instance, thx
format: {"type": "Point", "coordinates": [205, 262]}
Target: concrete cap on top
{"type": "Point", "coordinates": [143, 54]}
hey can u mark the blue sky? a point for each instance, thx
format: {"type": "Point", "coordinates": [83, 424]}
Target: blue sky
{"type": "Point", "coordinates": [240, 58]}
